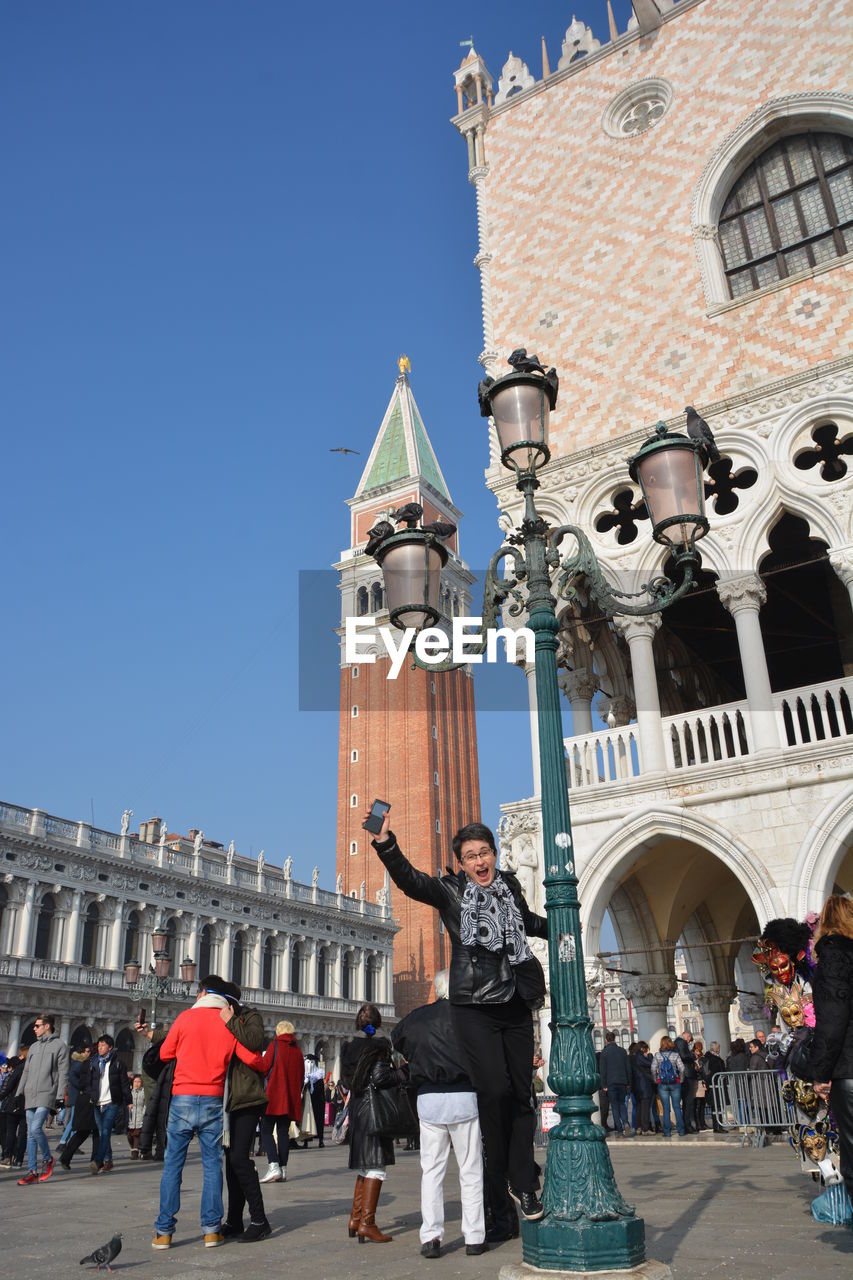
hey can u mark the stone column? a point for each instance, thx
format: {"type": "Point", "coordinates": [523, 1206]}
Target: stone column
{"type": "Point", "coordinates": [743, 597]}
{"type": "Point", "coordinates": [336, 969]}
{"type": "Point", "coordinates": [65, 1029]}
{"type": "Point", "coordinates": [308, 968]}
{"type": "Point", "coordinates": [842, 563]}
{"type": "Point", "coordinates": [25, 924]}
{"type": "Point", "coordinates": [14, 1034]}
{"type": "Point", "coordinates": [192, 942]}
{"type": "Point", "coordinates": [116, 935]}
{"type": "Point", "coordinates": [640, 632]}
{"type": "Point", "coordinates": [714, 1004]}
{"type": "Point", "coordinates": [257, 959]}
{"type": "Point", "coordinates": [72, 937]}
{"type": "Point", "coordinates": [225, 958]}
{"type": "Point", "coordinates": [650, 994]}
{"type": "Point", "coordinates": [580, 687]}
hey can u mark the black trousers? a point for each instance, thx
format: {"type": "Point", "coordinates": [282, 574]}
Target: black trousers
{"type": "Point", "coordinates": [841, 1101]}
{"type": "Point", "coordinates": [13, 1127]}
{"type": "Point", "coordinates": [276, 1144]}
{"type": "Point", "coordinates": [497, 1041]}
{"type": "Point", "coordinates": [78, 1137]}
{"type": "Point", "coordinates": [688, 1103]}
{"type": "Point", "coordinates": [241, 1176]}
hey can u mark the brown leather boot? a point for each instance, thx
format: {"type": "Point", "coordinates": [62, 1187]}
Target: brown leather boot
{"type": "Point", "coordinates": [355, 1212]}
{"type": "Point", "coordinates": [367, 1228]}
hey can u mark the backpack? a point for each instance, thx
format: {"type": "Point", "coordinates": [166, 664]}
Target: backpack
{"type": "Point", "coordinates": [667, 1073]}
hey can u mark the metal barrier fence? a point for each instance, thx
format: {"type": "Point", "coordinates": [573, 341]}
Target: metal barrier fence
{"type": "Point", "coordinates": [751, 1102]}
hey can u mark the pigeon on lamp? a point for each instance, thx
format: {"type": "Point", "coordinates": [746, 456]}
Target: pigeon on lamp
{"type": "Point", "coordinates": [104, 1256]}
{"type": "Point", "coordinates": [523, 363]}
{"type": "Point", "coordinates": [698, 429]}
{"type": "Point", "coordinates": [376, 536]}
{"type": "Point", "coordinates": [440, 528]}
{"type": "Point", "coordinates": [408, 514]}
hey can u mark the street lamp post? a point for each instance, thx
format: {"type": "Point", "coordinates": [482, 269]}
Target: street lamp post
{"type": "Point", "coordinates": [588, 1226]}
{"type": "Point", "coordinates": [156, 982]}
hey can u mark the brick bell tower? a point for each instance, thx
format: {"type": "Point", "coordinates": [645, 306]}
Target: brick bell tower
{"type": "Point", "coordinates": [411, 740]}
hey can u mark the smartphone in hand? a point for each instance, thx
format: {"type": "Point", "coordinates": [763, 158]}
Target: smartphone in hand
{"type": "Point", "coordinates": [373, 823]}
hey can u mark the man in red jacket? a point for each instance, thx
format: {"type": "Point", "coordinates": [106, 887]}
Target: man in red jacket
{"type": "Point", "coordinates": [202, 1047]}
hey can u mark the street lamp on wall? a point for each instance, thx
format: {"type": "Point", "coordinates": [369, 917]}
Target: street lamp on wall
{"type": "Point", "coordinates": [587, 1224]}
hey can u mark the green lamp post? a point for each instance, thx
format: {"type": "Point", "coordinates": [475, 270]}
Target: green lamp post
{"type": "Point", "coordinates": [588, 1226]}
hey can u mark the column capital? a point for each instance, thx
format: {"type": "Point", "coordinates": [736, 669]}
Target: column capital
{"type": "Point", "coordinates": [649, 989]}
{"type": "Point", "coordinates": [578, 684]}
{"type": "Point", "coordinates": [713, 999]}
{"type": "Point", "coordinates": [623, 707]}
{"type": "Point", "coordinates": [842, 563]}
{"type": "Point", "coordinates": [745, 593]}
{"type": "Point", "coordinates": [633, 628]}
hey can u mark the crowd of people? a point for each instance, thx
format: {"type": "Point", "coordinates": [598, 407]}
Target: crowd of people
{"type": "Point", "coordinates": [456, 1075]}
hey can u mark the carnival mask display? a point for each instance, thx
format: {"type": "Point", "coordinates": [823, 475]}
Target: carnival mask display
{"type": "Point", "coordinates": [801, 1094]}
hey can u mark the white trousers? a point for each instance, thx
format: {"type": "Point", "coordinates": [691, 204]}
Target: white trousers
{"type": "Point", "coordinates": [436, 1141]}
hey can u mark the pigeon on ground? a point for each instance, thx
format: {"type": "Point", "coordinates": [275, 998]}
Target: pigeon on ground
{"type": "Point", "coordinates": [376, 536]}
{"type": "Point", "coordinates": [103, 1257]}
{"type": "Point", "coordinates": [523, 363]}
{"type": "Point", "coordinates": [698, 429]}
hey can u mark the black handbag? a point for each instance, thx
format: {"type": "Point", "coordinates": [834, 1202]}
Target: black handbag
{"type": "Point", "coordinates": [389, 1112]}
{"type": "Point", "coordinates": [799, 1057]}
{"type": "Point", "coordinates": [530, 982]}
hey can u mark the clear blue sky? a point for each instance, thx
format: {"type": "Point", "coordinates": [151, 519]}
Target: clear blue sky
{"type": "Point", "coordinates": [221, 224]}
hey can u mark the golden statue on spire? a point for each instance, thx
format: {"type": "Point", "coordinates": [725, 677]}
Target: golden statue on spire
{"type": "Point", "coordinates": [405, 364]}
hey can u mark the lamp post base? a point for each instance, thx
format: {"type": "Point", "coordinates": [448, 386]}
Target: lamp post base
{"type": "Point", "coordinates": [577, 1248]}
{"type": "Point", "coordinates": [645, 1271]}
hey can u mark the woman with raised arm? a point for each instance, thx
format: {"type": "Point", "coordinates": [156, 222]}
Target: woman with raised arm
{"type": "Point", "coordinates": [488, 922]}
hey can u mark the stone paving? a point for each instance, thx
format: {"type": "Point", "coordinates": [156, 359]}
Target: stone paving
{"type": "Point", "coordinates": [712, 1209]}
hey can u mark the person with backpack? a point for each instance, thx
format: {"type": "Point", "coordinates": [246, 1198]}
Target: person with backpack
{"type": "Point", "coordinates": [668, 1072]}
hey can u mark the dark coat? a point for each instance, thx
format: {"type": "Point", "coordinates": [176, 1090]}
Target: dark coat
{"type": "Point", "coordinates": [426, 1040]}
{"type": "Point", "coordinates": [367, 1060]}
{"type": "Point", "coordinates": [156, 1118]}
{"type": "Point", "coordinates": [758, 1061]}
{"type": "Point", "coordinates": [832, 990]}
{"type": "Point", "coordinates": [477, 976]}
{"type": "Point", "coordinates": [614, 1066]}
{"type": "Point", "coordinates": [9, 1104]}
{"type": "Point", "coordinates": [245, 1082]}
{"type": "Point", "coordinates": [712, 1065]}
{"type": "Point", "coordinates": [687, 1056]}
{"type": "Point", "coordinates": [641, 1075]}
{"type": "Point", "coordinates": [737, 1062]}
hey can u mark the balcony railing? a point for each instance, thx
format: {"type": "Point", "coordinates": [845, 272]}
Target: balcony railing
{"type": "Point", "coordinates": [715, 735]}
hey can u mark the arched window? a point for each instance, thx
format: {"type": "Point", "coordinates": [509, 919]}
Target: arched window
{"type": "Point", "coordinates": [370, 983]}
{"type": "Point", "coordinates": [41, 950]}
{"type": "Point", "coordinates": [131, 938]}
{"type": "Point", "coordinates": [322, 961]}
{"type": "Point", "coordinates": [89, 950]}
{"type": "Point", "coordinates": [354, 712]}
{"type": "Point", "coordinates": [354, 756]}
{"type": "Point", "coordinates": [346, 979]}
{"type": "Point", "coordinates": [4, 902]}
{"type": "Point", "coordinates": [353, 802]}
{"type": "Point", "coordinates": [204, 951]}
{"type": "Point", "coordinates": [171, 930]}
{"type": "Point", "coordinates": [596, 1039]}
{"type": "Point", "coordinates": [362, 603]}
{"type": "Point", "coordinates": [353, 846]}
{"type": "Point", "coordinates": [376, 597]}
{"type": "Point", "coordinates": [294, 969]}
{"type": "Point", "coordinates": [791, 210]}
{"type": "Point", "coordinates": [266, 969]}
{"type": "Point", "coordinates": [237, 958]}
{"type": "Point", "coordinates": [623, 1009]}
{"type": "Point", "coordinates": [614, 1010]}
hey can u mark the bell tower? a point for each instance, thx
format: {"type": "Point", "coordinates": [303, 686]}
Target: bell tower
{"type": "Point", "coordinates": [412, 739]}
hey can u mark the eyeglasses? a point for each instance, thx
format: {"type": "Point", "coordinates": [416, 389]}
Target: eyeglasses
{"type": "Point", "coordinates": [37, 1024]}
{"type": "Point", "coordinates": [477, 857]}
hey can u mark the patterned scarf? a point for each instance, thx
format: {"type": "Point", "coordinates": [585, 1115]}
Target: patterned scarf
{"type": "Point", "coordinates": [491, 919]}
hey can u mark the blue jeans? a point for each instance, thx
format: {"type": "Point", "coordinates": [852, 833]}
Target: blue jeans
{"type": "Point", "coordinates": [192, 1114]}
{"type": "Point", "coordinates": [665, 1093]}
{"type": "Point", "coordinates": [618, 1106]}
{"type": "Point", "coordinates": [105, 1124]}
{"type": "Point", "coordinates": [36, 1140]}
{"type": "Point", "coordinates": [69, 1128]}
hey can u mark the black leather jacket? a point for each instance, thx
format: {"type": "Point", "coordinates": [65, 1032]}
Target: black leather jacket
{"type": "Point", "coordinates": [832, 985]}
{"type": "Point", "coordinates": [477, 976]}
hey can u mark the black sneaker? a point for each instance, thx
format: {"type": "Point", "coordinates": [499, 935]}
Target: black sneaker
{"type": "Point", "coordinates": [432, 1249]}
{"type": "Point", "coordinates": [474, 1250]}
{"type": "Point", "coordinates": [256, 1231]}
{"type": "Point", "coordinates": [529, 1203]}
{"type": "Point", "coordinates": [230, 1231]}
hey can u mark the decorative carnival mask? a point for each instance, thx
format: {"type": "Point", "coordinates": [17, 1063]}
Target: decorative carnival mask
{"type": "Point", "coordinates": [801, 1094]}
{"type": "Point", "coordinates": [790, 1005]}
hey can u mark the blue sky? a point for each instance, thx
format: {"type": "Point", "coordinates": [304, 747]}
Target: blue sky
{"type": "Point", "coordinates": [221, 225]}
